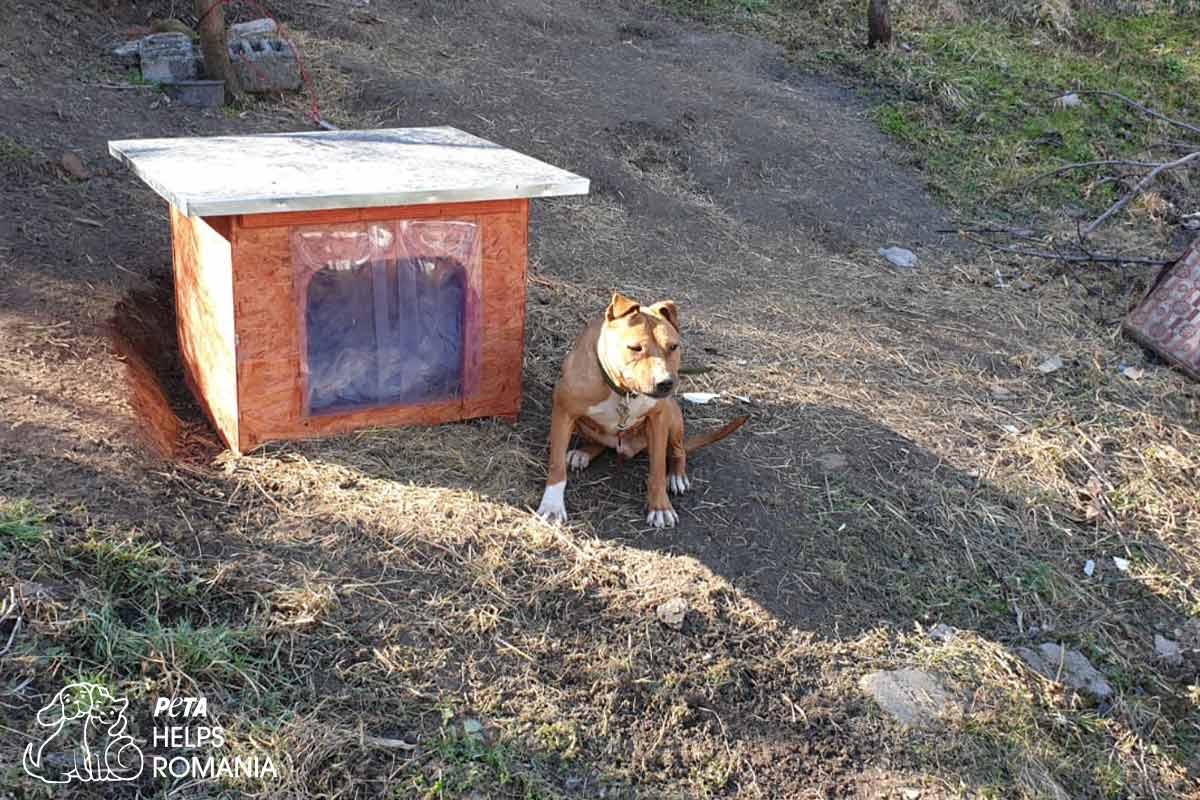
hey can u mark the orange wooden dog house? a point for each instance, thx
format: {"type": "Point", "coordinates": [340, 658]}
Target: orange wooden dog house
{"type": "Point", "coordinates": [336, 280]}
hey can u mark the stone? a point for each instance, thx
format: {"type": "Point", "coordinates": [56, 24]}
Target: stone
{"type": "Point", "coordinates": [73, 165]}
{"type": "Point", "coordinates": [672, 612]}
{"type": "Point", "coordinates": [167, 58]}
{"type": "Point", "coordinates": [1070, 100]}
{"type": "Point", "coordinates": [128, 54]}
{"type": "Point", "coordinates": [252, 29]}
{"type": "Point", "coordinates": [1167, 651]}
{"type": "Point", "coordinates": [1070, 668]}
{"type": "Point", "coordinates": [942, 632]}
{"type": "Point", "coordinates": [266, 64]}
{"type": "Point", "coordinates": [899, 257]}
{"type": "Point", "coordinates": [912, 697]}
{"type": "Point", "coordinates": [831, 462]}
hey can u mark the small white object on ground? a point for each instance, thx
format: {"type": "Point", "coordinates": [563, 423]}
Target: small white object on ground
{"type": "Point", "coordinates": [1167, 650]}
{"type": "Point", "coordinates": [699, 398]}
{"type": "Point", "coordinates": [1068, 667]}
{"type": "Point", "coordinates": [1070, 100]}
{"type": "Point", "coordinates": [942, 632]}
{"type": "Point", "coordinates": [899, 257]}
{"type": "Point", "coordinates": [1133, 373]}
{"type": "Point", "coordinates": [1052, 364]}
{"type": "Point", "coordinates": [1121, 563]}
{"type": "Point", "coordinates": [1089, 567]}
{"type": "Point", "coordinates": [743, 397]}
{"type": "Point", "coordinates": [672, 612]}
{"type": "Point", "coordinates": [1010, 428]}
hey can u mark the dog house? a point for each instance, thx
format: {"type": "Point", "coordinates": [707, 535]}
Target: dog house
{"type": "Point", "coordinates": [335, 280]}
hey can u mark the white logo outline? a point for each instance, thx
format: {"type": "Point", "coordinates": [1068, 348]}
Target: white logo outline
{"type": "Point", "coordinates": [103, 725]}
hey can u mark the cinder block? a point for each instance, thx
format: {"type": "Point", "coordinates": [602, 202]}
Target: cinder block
{"type": "Point", "coordinates": [265, 64]}
{"type": "Point", "coordinates": [255, 28]}
{"type": "Point", "coordinates": [168, 58]}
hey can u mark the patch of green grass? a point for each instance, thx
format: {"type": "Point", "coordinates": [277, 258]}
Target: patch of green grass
{"type": "Point", "coordinates": [125, 650]}
{"type": "Point", "coordinates": [975, 100]}
{"type": "Point", "coordinates": [21, 525]}
{"type": "Point", "coordinates": [128, 568]}
{"type": "Point", "coordinates": [11, 150]}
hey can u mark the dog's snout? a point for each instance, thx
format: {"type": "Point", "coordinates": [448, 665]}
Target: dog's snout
{"type": "Point", "coordinates": [664, 386]}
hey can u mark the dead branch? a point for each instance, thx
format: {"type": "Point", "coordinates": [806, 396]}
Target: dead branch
{"type": "Point", "coordinates": [1054, 173]}
{"type": "Point", "coordinates": [1134, 104]}
{"type": "Point", "coordinates": [1141, 186]}
{"type": "Point", "coordinates": [1075, 258]}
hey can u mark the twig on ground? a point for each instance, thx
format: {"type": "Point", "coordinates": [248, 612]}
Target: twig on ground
{"type": "Point", "coordinates": [1141, 187]}
{"type": "Point", "coordinates": [1080, 258]}
{"type": "Point", "coordinates": [1134, 104]}
{"type": "Point", "coordinates": [1112, 162]}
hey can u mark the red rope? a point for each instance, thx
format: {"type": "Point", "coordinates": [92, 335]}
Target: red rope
{"type": "Point", "coordinates": [314, 109]}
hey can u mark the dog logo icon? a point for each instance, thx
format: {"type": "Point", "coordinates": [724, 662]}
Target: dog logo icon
{"type": "Point", "coordinates": [88, 740]}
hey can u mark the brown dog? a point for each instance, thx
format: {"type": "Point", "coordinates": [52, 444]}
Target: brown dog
{"type": "Point", "coordinates": [615, 390]}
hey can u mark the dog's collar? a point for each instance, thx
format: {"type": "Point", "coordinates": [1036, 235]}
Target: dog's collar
{"type": "Point", "coordinates": [608, 378]}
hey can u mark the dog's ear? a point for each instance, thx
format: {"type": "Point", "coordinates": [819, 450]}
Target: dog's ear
{"type": "Point", "coordinates": [668, 311]}
{"type": "Point", "coordinates": [621, 306]}
{"type": "Point", "coordinates": [55, 711]}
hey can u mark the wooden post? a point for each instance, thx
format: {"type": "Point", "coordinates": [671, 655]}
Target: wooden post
{"type": "Point", "coordinates": [879, 23]}
{"type": "Point", "coordinates": [211, 14]}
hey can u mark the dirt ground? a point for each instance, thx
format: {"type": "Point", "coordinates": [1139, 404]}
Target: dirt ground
{"type": "Point", "coordinates": [906, 463]}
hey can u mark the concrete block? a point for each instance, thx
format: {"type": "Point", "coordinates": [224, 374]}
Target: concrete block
{"type": "Point", "coordinates": [255, 28]}
{"type": "Point", "coordinates": [265, 64]}
{"type": "Point", "coordinates": [167, 58]}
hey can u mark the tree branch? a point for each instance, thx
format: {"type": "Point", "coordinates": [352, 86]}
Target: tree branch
{"type": "Point", "coordinates": [1141, 187]}
{"type": "Point", "coordinates": [1134, 104]}
{"type": "Point", "coordinates": [1097, 258]}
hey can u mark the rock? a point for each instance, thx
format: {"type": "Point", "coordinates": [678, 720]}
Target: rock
{"type": "Point", "coordinates": [1167, 651]}
{"type": "Point", "coordinates": [1133, 373]}
{"type": "Point", "coordinates": [831, 462]}
{"type": "Point", "coordinates": [265, 64]}
{"type": "Point", "coordinates": [127, 54]}
{"type": "Point", "coordinates": [942, 632]}
{"type": "Point", "coordinates": [1068, 667]}
{"type": "Point", "coordinates": [912, 697]}
{"type": "Point", "coordinates": [899, 257]}
{"type": "Point", "coordinates": [168, 58]}
{"type": "Point", "coordinates": [1070, 100]}
{"type": "Point", "coordinates": [1089, 567]}
{"type": "Point", "coordinates": [1121, 563]}
{"type": "Point", "coordinates": [1052, 364]}
{"type": "Point", "coordinates": [73, 165]}
{"type": "Point", "coordinates": [253, 28]}
{"type": "Point", "coordinates": [672, 612]}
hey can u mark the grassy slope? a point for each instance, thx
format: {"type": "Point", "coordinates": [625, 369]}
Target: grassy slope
{"type": "Point", "coordinates": [975, 98]}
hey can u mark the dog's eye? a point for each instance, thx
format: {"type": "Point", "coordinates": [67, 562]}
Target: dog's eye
{"type": "Point", "coordinates": [673, 348]}
{"type": "Point", "coordinates": [637, 348]}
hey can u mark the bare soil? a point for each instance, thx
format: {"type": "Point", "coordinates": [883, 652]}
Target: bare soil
{"type": "Point", "coordinates": [395, 582]}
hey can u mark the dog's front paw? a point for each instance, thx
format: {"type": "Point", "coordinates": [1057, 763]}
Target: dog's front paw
{"type": "Point", "coordinates": [578, 460]}
{"type": "Point", "coordinates": [678, 484]}
{"type": "Point", "coordinates": [662, 517]}
{"type": "Point", "coordinates": [552, 508]}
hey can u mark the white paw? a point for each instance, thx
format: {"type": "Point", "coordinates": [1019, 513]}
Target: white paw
{"type": "Point", "coordinates": [678, 484]}
{"type": "Point", "coordinates": [552, 508]}
{"type": "Point", "coordinates": [663, 518]}
{"type": "Point", "coordinates": [578, 459]}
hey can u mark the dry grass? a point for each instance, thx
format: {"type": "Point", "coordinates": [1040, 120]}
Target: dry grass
{"type": "Point", "coordinates": [353, 607]}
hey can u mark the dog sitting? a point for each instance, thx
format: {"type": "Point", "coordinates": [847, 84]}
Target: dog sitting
{"type": "Point", "coordinates": [615, 390]}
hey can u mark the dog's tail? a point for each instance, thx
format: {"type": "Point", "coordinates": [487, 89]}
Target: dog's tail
{"type": "Point", "coordinates": [705, 439]}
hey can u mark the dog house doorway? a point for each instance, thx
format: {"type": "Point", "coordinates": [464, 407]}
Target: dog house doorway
{"type": "Point", "coordinates": [389, 313]}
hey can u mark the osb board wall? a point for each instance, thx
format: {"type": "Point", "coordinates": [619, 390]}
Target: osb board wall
{"type": "Point", "coordinates": [270, 392]}
{"type": "Point", "coordinates": [205, 316]}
